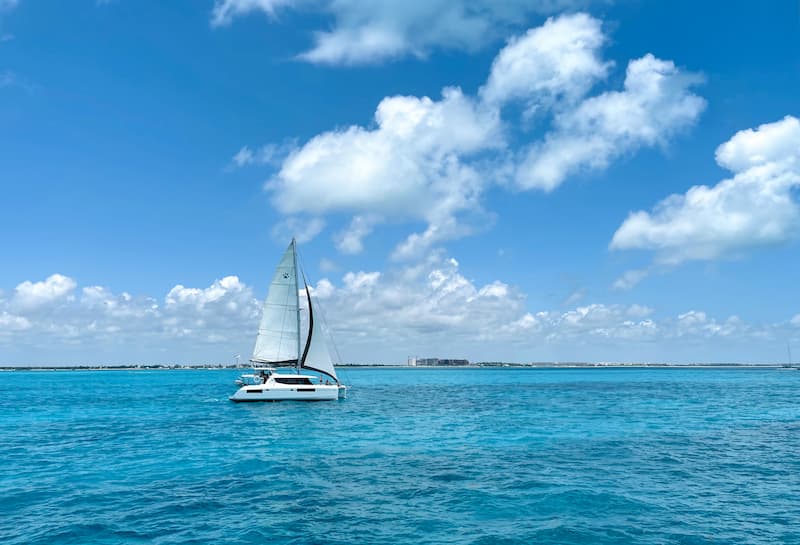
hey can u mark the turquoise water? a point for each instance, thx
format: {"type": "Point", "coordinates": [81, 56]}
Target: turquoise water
{"type": "Point", "coordinates": [650, 456]}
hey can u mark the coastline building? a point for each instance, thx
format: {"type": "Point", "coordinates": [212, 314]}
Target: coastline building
{"type": "Point", "coordinates": [440, 362]}
{"type": "Point", "coordinates": [412, 362]}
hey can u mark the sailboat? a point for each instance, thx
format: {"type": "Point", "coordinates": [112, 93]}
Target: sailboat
{"type": "Point", "coordinates": [279, 345]}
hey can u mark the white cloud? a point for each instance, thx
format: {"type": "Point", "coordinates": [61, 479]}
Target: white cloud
{"type": "Point", "coordinates": [756, 207]}
{"type": "Point", "coordinates": [219, 293]}
{"type": "Point", "coordinates": [428, 307]}
{"type": "Point", "coordinates": [439, 229]}
{"type": "Point", "coordinates": [47, 317]}
{"type": "Point", "coordinates": [777, 142]}
{"type": "Point", "coordinates": [301, 228]}
{"type": "Point", "coordinates": [10, 323]}
{"type": "Point", "coordinates": [431, 299]}
{"type": "Point", "coordinates": [349, 241]}
{"type": "Point", "coordinates": [402, 165]}
{"type": "Point", "coordinates": [557, 61]}
{"type": "Point", "coordinates": [374, 31]}
{"type": "Point", "coordinates": [630, 278]}
{"type": "Point", "coordinates": [697, 324]}
{"type": "Point", "coordinates": [268, 154]}
{"type": "Point", "coordinates": [243, 157]}
{"type": "Point", "coordinates": [225, 11]}
{"type": "Point", "coordinates": [412, 165]}
{"type": "Point", "coordinates": [323, 290]}
{"type": "Point", "coordinates": [432, 304]}
{"type": "Point", "coordinates": [103, 302]}
{"type": "Point", "coordinates": [33, 295]}
{"type": "Point", "coordinates": [654, 105]}
{"type": "Point", "coordinates": [431, 160]}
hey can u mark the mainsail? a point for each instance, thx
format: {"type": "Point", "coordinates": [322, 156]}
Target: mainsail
{"type": "Point", "coordinates": [278, 332]}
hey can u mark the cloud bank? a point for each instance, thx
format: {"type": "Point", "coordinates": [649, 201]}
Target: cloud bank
{"type": "Point", "coordinates": [428, 307]}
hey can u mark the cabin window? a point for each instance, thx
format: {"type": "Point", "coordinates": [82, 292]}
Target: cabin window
{"type": "Point", "coordinates": [306, 389]}
{"type": "Point", "coordinates": [254, 391]}
{"type": "Point", "coordinates": [293, 380]}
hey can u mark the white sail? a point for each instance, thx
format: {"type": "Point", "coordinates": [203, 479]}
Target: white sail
{"type": "Point", "coordinates": [318, 357]}
{"type": "Point", "coordinates": [278, 335]}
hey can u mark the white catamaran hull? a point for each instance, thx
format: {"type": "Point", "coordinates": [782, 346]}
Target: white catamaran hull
{"type": "Point", "coordinates": [272, 392]}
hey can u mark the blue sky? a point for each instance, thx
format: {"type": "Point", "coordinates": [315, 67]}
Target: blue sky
{"type": "Point", "coordinates": [157, 156]}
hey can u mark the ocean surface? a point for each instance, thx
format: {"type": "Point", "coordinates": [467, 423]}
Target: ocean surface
{"type": "Point", "coordinates": [472, 456]}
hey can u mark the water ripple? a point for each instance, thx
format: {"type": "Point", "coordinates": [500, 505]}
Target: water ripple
{"type": "Point", "coordinates": [433, 457]}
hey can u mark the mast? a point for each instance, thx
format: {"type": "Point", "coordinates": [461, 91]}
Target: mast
{"type": "Point", "coordinates": [297, 299]}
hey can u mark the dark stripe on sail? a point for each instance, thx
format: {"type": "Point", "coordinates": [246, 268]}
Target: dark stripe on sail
{"type": "Point", "coordinates": [255, 360]}
{"type": "Point", "coordinates": [321, 371]}
{"type": "Point", "coordinates": [308, 341]}
{"type": "Point", "coordinates": [310, 323]}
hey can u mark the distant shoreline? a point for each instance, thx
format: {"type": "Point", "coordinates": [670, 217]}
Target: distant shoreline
{"type": "Point", "coordinates": [508, 366]}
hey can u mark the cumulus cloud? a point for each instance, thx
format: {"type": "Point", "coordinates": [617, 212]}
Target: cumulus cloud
{"type": "Point", "coordinates": [432, 304]}
{"type": "Point", "coordinates": [656, 103]}
{"type": "Point", "coordinates": [431, 298]}
{"type": "Point", "coordinates": [349, 241]}
{"type": "Point", "coordinates": [430, 160]}
{"type": "Point", "coordinates": [410, 158]}
{"type": "Point", "coordinates": [49, 313]}
{"type": "Point", "coordinates": [213, 314]}
{"type": "Point", "coordinates": [33, 295]}
{"type": "Point", "coordinates": [415, 164]}
{"type": "Point", "coordinates": [558, 61]}
{"type": "Point", "coordinates": [756, 207]}
{"type": "Point", "coordinates": [370, 32]}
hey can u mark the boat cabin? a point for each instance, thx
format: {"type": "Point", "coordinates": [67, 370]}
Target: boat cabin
{"type": "Point", "coordinates": [263, 375]}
